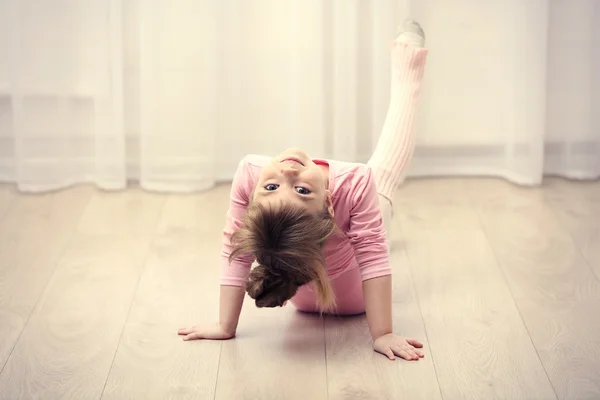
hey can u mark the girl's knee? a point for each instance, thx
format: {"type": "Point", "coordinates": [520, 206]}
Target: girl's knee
{"type": "Point", "coordinates": [345, 307]}
{"type": "Point", "coordinates": [349, 311]}
{"type": "Point", "coordinates": [386, 210]}
{"type": "Point", "coordinates": [305, 308]}
{"type": "Point", "coordinates": [305, 301]}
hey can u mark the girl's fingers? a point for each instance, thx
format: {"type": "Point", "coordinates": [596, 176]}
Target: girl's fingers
{"type": "Point", "coordinates": [404, 354]}
{"type": "Point", "coordinates": [414, 343]}
{"type": "Point", "coordinates": [184, 331]}
{"type": "Point", "coordinates": [390, 354]}
{"type": "Point", "coordinates": [193, 336]}
{"type": "Point", "coordinates": [407, 354]}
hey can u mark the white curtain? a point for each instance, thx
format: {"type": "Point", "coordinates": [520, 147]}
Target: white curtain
{"type": "Point", "coordinates": [173, 93]}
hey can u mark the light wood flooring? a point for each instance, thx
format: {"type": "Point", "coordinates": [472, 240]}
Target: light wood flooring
{"type": "Point", "coordinates": [501, 283]}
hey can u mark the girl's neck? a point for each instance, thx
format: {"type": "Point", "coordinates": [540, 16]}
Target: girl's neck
{"type": "Point", "coordinates": [324, 167]}
{"type": "Point", "coordinates": [325, 171]}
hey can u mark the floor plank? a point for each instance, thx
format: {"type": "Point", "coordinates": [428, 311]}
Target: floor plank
{"type": "Point", "coordinates": [555, 289]}
{"type": "Point", "coordinates": [179, 288]}
{"type": "Point", "coordinates": [133, 211]}
{"type": "Point", "coordinates": [33, 235]}
{"type": "Point", "coordinates": [577, 207]}
{"type": "Point", "coordinates": [68, 345]}
{"type": "Point", "coordinates": [278, 354]}
{"type": "Point", "coordinates": [479, 343]}
{"type": "Point", "coordinates": [74, 331]}
{"type": "Point", "coordinates": [356, 371]}
{"type": "Point", "coordinates": [200, 213]}
{"type": "Point", "coordinates": [7, 194]}
{"type": "Point", "coordinates": [432, 205]}
{"type": "Point", "coordinates": [500, 282]}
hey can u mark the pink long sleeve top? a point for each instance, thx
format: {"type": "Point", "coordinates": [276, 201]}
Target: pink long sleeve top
{"type": "Point", "coordinates": [357, 214]}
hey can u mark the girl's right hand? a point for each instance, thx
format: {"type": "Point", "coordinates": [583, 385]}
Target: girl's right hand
{"type": "Point", "coordinates": [210, 332]}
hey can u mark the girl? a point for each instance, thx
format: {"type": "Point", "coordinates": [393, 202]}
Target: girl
{"type": "Point", "coordinates": [318, 229]}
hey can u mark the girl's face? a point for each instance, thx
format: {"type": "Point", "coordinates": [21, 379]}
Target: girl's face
{"type": "Point", "coordinates": [292, 177]}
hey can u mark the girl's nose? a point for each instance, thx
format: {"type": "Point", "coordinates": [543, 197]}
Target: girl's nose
{"type": "Point", "coordinates": [289, 171]}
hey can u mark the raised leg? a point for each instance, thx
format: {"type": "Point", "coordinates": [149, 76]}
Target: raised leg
{"type": "Point", "coordinates": [395, 146]}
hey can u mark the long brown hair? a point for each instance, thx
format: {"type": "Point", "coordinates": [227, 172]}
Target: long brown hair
{"type": "Point", "coordinates": [287, 243]}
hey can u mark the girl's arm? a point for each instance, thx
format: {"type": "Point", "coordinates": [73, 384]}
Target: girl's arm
{"type": "Point", "coordinates": [230, 307]}
{"type": "Point", "coordinates": [231, 300]}
{"type": "Point", "coordinates": [368, 237]}
{"type": "Point", "coordinates": [233, 274]}
{"type": "Point", "coordinates": [378, 303]}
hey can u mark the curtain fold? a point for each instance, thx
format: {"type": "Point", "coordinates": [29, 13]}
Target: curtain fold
{"type": "Point", "coordinates": [173, 94]}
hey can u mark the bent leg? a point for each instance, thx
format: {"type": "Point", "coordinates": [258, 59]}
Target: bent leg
{"type": "Point", "coordinates": [348, 294]}
{"type": "Point", "coordinates": [386, 214]}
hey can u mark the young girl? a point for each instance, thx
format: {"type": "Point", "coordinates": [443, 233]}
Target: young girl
{"type": "Point", "coordinates": [318, 229]}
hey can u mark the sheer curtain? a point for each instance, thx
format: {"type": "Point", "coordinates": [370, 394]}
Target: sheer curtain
{"type": "Point", "coordinates": [172, 94]}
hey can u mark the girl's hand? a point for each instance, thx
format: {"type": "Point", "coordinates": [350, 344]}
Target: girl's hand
{"type": "Point", "coordinates": [210, 332]}
{"type": "Point", "coordinates": [392, 345]}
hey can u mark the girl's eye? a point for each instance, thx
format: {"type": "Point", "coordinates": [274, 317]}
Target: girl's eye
{"type": "Point", "coordinates": [271, 187]}
{"type": "Point", "coordinates": [302, 190]}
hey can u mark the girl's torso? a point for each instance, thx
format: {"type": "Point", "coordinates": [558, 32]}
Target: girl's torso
{"type": "Point", "coordinates": [343, 182]}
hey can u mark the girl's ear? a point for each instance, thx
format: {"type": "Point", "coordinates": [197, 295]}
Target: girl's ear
{"type": "Point", "coordinates": [329, 202]}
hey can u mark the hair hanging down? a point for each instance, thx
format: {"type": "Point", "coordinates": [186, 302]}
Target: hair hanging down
{"type": "Point", "coordinates": [287, 243]}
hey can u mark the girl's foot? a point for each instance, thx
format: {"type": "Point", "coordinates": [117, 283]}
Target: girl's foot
{"type": "Point", "coordinates": [411, 33]}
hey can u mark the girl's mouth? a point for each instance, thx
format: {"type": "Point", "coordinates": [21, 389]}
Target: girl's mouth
{"type": "Point", "coordinates": [294, 159]}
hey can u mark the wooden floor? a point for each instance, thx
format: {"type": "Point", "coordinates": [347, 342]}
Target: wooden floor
{"type": "Point", "coordinates": [501, 283]}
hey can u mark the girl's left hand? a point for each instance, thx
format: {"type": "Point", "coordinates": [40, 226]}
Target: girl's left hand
{"type": "Point", "coordinates": [392, 345]}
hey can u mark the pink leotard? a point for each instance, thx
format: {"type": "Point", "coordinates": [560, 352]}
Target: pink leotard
{"type": "Point", "coordinates": [361, 253]}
